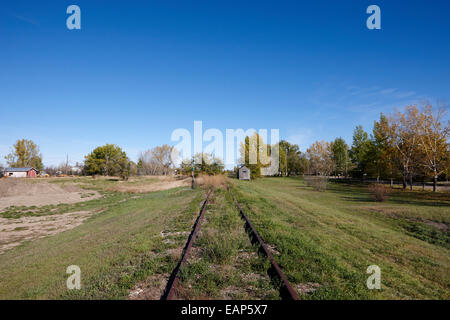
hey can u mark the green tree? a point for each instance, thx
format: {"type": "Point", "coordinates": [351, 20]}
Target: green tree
{"type": "Point", "coordinates": [254, 153]}
{"type": "Point", "coordinates": [384, 163]}
{"type": "Point", "coordinates": [25, 153]}
{"type": "Point", "coordinates": [292, 161]}
{"type": "Point", "coordinates": [340, 156]}
{"type": "Point", "coordinates": [204, 163]}
{"type": "Point", "coordinates": [108, 160]}
{"type": "Point", "coordinates": [359, 150]}
{"type": "Point", "coordinates": [133, 168]}
{"type": "Point", "coordinates": [140, 167]}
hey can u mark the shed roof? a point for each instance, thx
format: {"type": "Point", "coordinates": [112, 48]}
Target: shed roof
{"type": "Point", "coordinates": [19, 169]}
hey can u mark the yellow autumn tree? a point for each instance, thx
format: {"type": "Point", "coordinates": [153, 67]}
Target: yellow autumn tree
{"type": "Point", "coordinates": [320, 156]}
{"type": "Point", "coordinates": [433, 134]}
{"type": "Point", "coordinates": [404, 138]}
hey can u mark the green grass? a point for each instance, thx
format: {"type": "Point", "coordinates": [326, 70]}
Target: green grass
{"type": "Point", "coordinates": [107, 201]}
{"type": "Point", "coordinates": [331, 237]}
{"type": "Point", "coordinates": [324, 238]}
{"type": "Point", "coordinates": [115, 248]}
{"type": "Point", "coordinates": [20, 228]}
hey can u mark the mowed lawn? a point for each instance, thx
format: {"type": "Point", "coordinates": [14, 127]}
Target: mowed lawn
{"type": "Point", "coordinates": [328, 239]}
{"type": "Point", "coordinates": [116, 248]}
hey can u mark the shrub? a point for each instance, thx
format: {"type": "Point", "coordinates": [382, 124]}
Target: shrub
{"type": "Point", "coordinates": [318, 183]}
{"type": "Point", "coordinates": [214, 181]}
{"type": "Point", "coordinates": [380, 192]}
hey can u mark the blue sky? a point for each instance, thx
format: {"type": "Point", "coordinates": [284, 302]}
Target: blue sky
{"type": "Point", "coordinates": [137, 70]}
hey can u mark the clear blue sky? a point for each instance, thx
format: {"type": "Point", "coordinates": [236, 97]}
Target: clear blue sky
{"type": "Point", "coordinates": [137, 70]}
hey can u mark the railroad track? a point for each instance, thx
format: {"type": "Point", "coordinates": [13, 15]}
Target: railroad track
{"type": "Point", "coordinates": [173, 279]}
{"type": "Point", "coordinates": [286, 290]}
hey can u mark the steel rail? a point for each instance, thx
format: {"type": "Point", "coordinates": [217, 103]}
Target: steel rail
{"type": "Point", "coordinates": [287, 291]}
{"type": "Point", "coordinates": [173, 279]}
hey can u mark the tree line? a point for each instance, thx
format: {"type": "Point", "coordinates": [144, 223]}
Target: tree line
{"type": "Point", "coordinates": [409, 145]}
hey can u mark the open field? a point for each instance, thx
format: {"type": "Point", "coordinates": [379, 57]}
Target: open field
{"type": "Point", "coordinates": [128, 240]}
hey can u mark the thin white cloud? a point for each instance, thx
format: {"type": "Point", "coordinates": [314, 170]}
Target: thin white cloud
{"type": "Point", "coordinates": [27, 20]}
{"type": "Point", "coordinates": [402, 95]}
{"type": "Point", "coordinates": [364, 91]}
{"type": "Point", "coordinates": [388, 91]}
{"type": "Point", "coordinates": [364, 107]}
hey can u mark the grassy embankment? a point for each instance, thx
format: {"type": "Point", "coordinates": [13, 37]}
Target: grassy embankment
{"type": "Point", "coordinates": [330, 238]}
{"type": "Point", "coordinates": [115, 248]}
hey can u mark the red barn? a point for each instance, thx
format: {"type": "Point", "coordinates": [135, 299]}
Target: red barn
{"type": "Point", "coordinates": [20, 172]}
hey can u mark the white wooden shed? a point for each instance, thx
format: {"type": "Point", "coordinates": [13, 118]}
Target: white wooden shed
{"type": "Point", "coordinates": [244, 173]}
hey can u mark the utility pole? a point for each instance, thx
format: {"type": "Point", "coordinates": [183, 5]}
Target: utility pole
{"type": "Point", "coordinates": [285, 159]}
{"type": "Point", "coordinates": [105, 167]}
{"type": "Point", "coordinates": [346, 163]}
{"type": "Point", "coordinates": [192, 174]}
{"type": "Point", "coordinates": [67, 163]}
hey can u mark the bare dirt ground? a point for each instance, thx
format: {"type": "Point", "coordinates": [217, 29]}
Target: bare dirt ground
{"type": "Point", "coordinates": [163, 183]}
{"type": "Point", "coordinates": [150, 289]}
{"type": "Point", "coordinates": [39, 192]}
{"type": "Point", "coordinates": [153, 287]}
{"type": "Point", "coordinates": [22, 192]}
{"type": "Point", "coordinates": [15, 231]}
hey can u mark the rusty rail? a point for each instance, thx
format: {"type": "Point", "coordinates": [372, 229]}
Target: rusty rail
{"type": "Point", "coordinates": [173, 280]}
{"type": "Point", "coordinates": [286, 289]}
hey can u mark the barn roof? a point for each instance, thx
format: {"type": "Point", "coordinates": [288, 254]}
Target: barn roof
{"type": "Point", "coordinates": [19, 169]}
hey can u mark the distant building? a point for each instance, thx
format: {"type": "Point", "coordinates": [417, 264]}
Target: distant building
{"type": "Point", "coordinates": [20, 172]}
{"type": "Point", "coordinates": [76, 170]}
{"type": "Point", "coordinates": [244, 173]}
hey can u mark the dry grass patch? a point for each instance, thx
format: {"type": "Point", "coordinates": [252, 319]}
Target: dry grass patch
{"type": "Point", "coordinates": [318, 183]}
{"type": "Point", "coordinates": [157, 183]}
{"type": "Point", "coordinates": [308, 287]}
{"type": "Point", "coordinates": [380, 192]}
{"type": "Point", "coordinates": [215, 181]}
{"type": "Point", "coordinates": [150, 289]}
